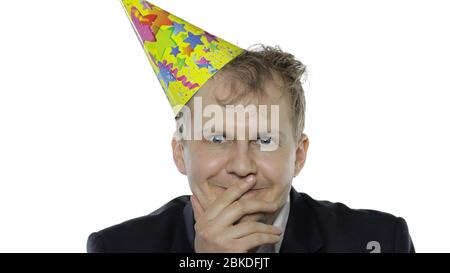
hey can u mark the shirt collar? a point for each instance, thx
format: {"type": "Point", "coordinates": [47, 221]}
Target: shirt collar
{"type": "Point", "coordinates": [280, 221]}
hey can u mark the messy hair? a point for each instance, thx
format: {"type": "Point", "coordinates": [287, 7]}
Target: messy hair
{"type": "Point", "coordinates": [257, 65]}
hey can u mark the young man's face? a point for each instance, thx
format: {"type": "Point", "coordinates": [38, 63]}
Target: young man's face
{"type": "Point", "coordinates": [214, 163]}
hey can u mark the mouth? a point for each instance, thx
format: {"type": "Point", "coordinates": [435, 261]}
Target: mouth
{"type": "Point", "coordinates": [248, 194]}
{"type": "Point", "coordinates": [251, 193]}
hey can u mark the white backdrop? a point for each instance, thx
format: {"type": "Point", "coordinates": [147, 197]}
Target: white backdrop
{"type": "Point", "coordinates": [85, 128]}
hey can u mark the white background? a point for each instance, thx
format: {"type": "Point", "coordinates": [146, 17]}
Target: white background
{"type": "Point", "coordinates": [85, 128]}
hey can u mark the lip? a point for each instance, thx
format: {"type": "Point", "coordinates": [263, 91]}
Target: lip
{"type": "Point", "coordinates": [248, 193]}
{"type": "Point", "coordinates": [252, 193]}
{"type": "Point", "coordinates": [254, 188]}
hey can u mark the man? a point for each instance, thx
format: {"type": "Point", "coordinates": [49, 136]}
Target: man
{"type": "Point", "coordinates": [240, 142]}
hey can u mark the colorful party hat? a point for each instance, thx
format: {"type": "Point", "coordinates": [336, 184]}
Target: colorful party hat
{"type": "Point", "coordinates": [182, 55]}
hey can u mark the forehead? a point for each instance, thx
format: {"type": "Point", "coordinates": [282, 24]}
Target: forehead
{"type": "Point", "coordinates": [272, 101]}
{"type": "Point", "coordinates": [225, 89]}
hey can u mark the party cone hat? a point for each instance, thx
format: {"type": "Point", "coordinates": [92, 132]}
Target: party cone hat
{"type": "Point", "coordinates": [182, 55]}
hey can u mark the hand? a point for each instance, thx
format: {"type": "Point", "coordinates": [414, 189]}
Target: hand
{"type": "Point", "coordinates": [215, 228]}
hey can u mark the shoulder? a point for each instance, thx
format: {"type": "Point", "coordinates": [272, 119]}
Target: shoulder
{"type": "Point", "coordinates": [152, 232]}
{"type": "Point", "coordinates": [359, 228]}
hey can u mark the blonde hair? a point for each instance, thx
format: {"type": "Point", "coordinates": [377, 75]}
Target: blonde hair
{"type": "Point", "coordinates": [255, 66]}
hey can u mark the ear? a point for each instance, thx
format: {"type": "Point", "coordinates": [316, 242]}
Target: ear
{"type": "Point", "coordinates": [300, 153]}
{"type": "Point", "coordinates": [178, 155]}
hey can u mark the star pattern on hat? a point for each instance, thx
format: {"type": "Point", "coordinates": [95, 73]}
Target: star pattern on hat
{"type": "Point", "coordinates": [146, 5]}
{"type": "Point", "coordinates": [187, 50]}
{"type": "Point", "coordinates": [181, 62]}
{"type": "Point", "coordinates": [177, 28]}
{"type": "Point", "coordinates": [162, 19]}
{"type": "Point", "coordinates": [210, 37]}
{"type": "Point", "coordinates": [165, 41]}
{"type": "Point", "coordinates": [182, 55]}
{"type": "Point", "coordinates": [142, 25]}
{"type": "Point", "coordinates": [214, 47]}
{"type": "Point", "coordinates": [165, 75]}
{"type": "Point", "coordinates": [175, 51]}
{"type": "Point", "coordinates": [193, 40]}
{"type": "Point", "coordinates": [204, 63]}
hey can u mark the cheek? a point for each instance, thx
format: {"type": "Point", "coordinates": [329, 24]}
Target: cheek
{"type": "Point", "coordinates": [201, 166]}
{"type": "Point", "coordinates": [278, 171]}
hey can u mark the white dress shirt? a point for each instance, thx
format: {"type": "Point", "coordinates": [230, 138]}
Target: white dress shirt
{"type": "Point", "coordinates": [280, 221]}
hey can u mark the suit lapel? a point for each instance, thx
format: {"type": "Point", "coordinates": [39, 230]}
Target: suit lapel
{"type": "Point", "coordinates": [183, 240]}
{"type": "Point", "coordinates": [301, 233]}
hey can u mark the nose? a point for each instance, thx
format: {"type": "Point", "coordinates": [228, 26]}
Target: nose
{"type": "Point", "coordinates": [241, 162]}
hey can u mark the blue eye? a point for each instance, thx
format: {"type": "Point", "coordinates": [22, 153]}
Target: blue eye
{"type": "Point", "coordinates": [264, 140]}
{"type": "Point", "coordinates": [217, 139]}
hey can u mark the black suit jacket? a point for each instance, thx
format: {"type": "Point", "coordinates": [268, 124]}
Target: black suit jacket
{"type": "Point", "coordinates": [313, 226]}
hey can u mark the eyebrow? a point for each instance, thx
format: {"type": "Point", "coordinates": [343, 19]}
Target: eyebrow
{"type": "Point", "coordinates": [280, 133]}
{"type": "Point", "coordinates": [223, 132]}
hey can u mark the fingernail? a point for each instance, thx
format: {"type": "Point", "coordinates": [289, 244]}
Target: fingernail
{"type": "Point", "coordinates": [250, 179]}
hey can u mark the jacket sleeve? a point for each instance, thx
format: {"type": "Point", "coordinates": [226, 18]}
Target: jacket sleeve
{"type": "Point", "coordinates": [95, 243]}
{"type": "Point", "coordinates": [403, 241]}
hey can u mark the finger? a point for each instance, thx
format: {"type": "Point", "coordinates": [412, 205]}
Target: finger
{"type": "Point", "coordinates": [255, 217]}
{"type": "Point", "coordinates": [243, 207]}
{"type": "Point", "coordinates": [228, 197]}
{"type": "Point", "coordinates": [247, 228]}
{"type": "Point", "coordinates": [256, 239]}
{"type": "Point", "coordinates": [198, 209]}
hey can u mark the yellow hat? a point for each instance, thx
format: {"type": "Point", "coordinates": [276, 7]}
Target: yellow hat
{"type": "Point", "coordinates": [182, 55]}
